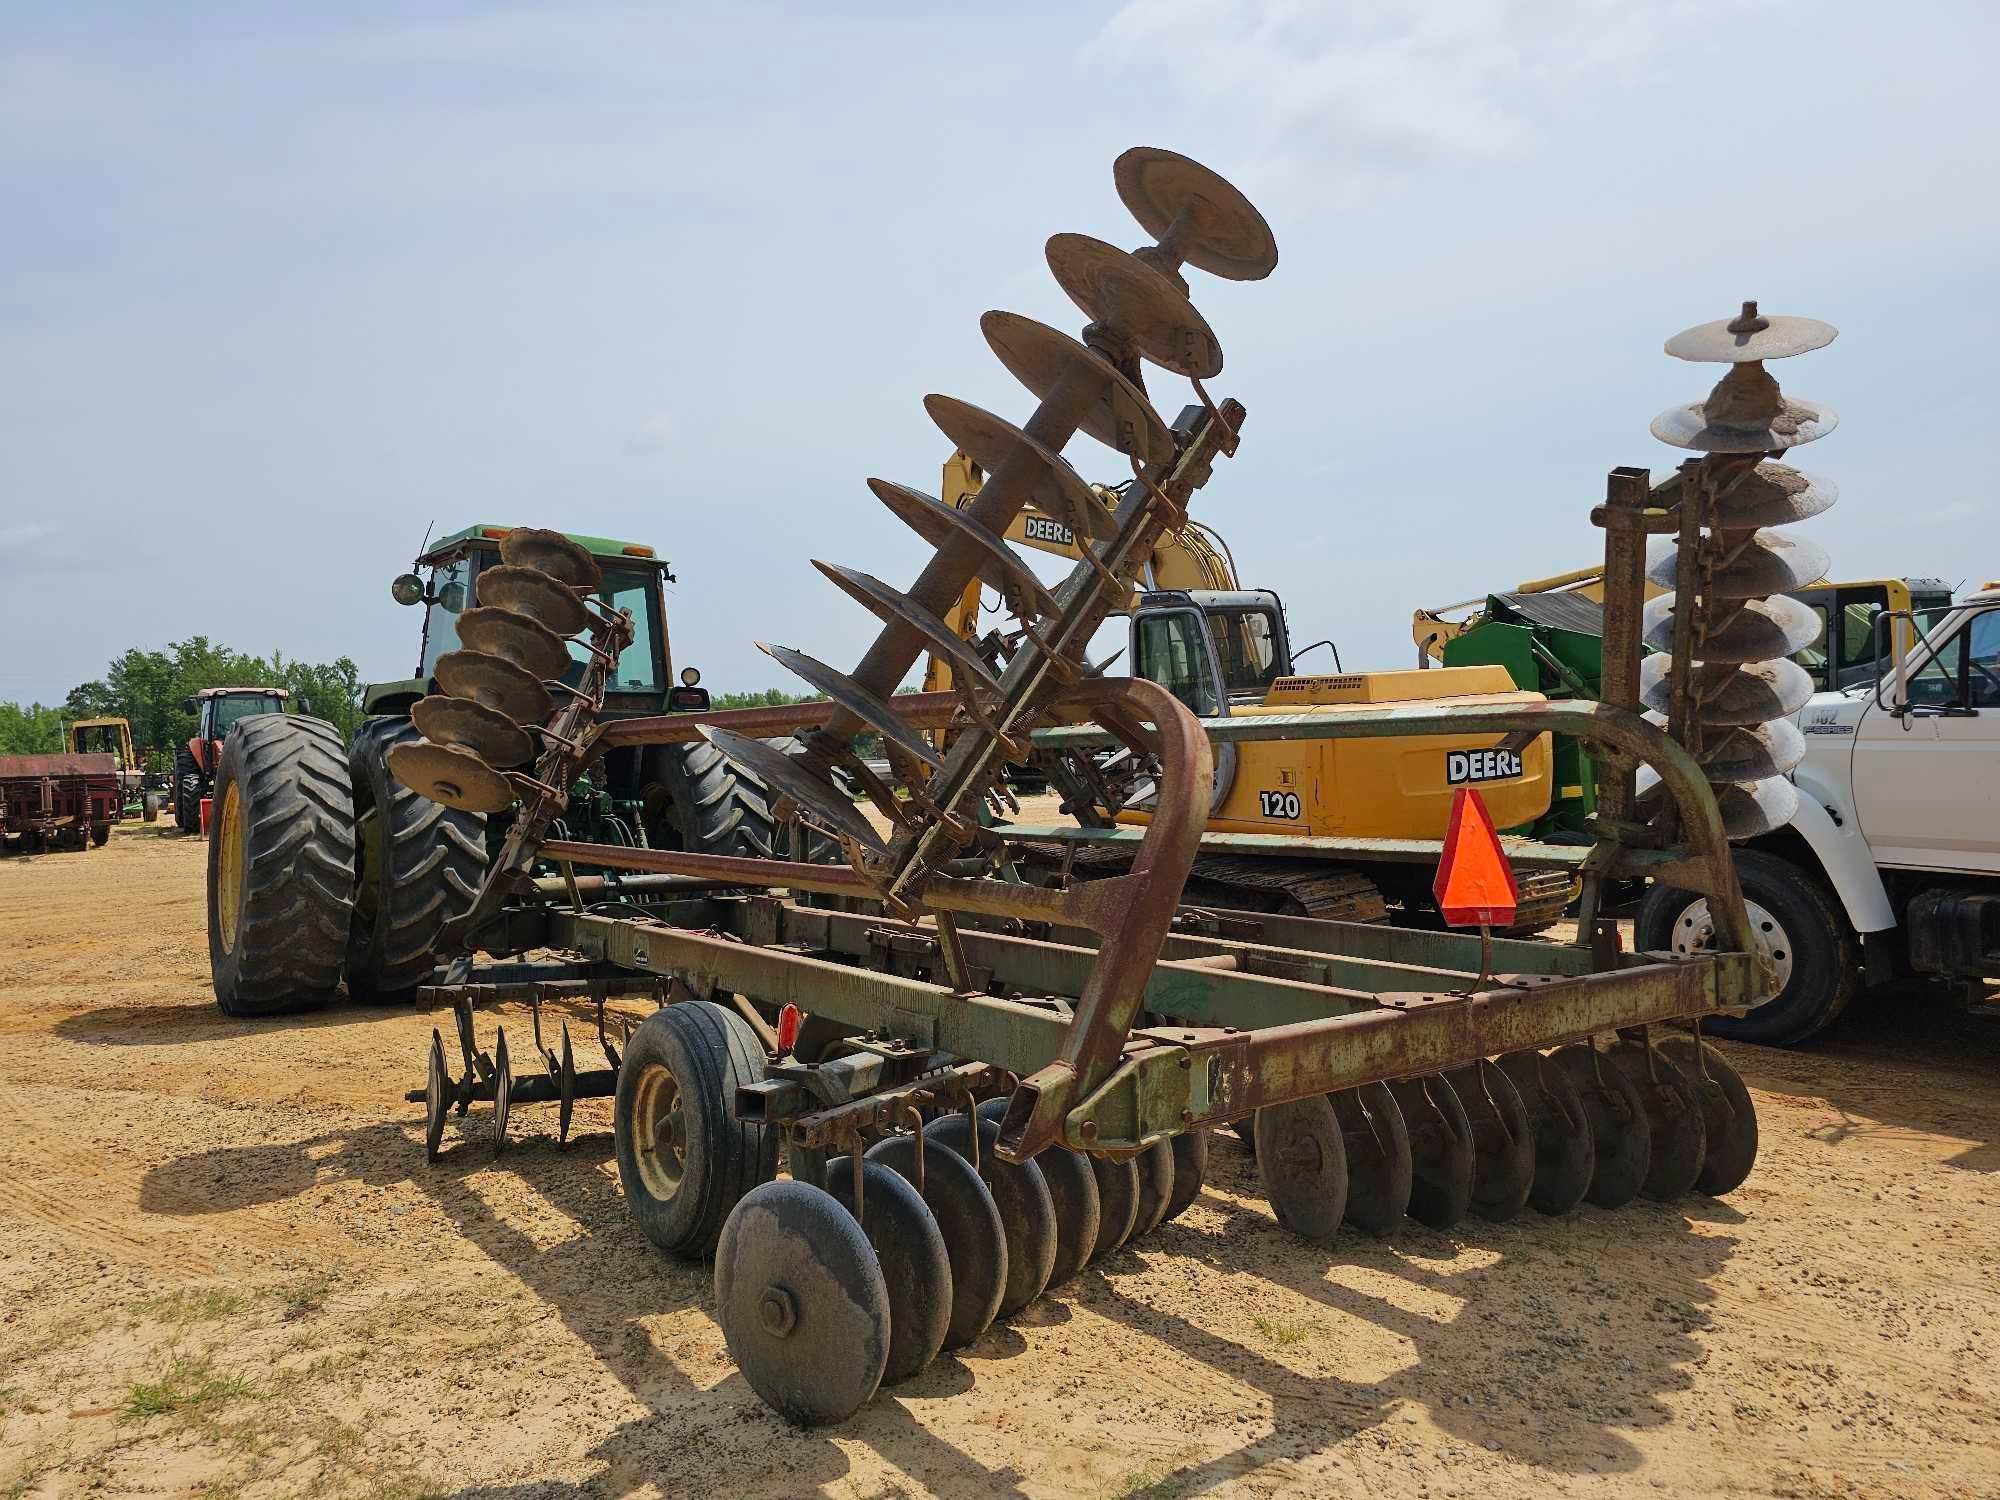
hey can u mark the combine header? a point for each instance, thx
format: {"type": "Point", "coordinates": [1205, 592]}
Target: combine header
{"type": "Point", "coordinates": [983, 1084]}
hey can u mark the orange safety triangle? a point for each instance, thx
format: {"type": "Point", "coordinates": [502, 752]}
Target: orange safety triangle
{"type": "Point", "coordinates": [1475, 884]}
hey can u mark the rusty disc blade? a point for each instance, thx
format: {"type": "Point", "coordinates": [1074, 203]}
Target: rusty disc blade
{"type": "Point", "coordinates": [455, 777]}
{"type": "Point", "coordinates": [1751, 752]}
{"type": "Point", "coordinates": [856, 699]}
{"type": "Point", "coordinates": [531, 592]}
{"type": "Point", "coordinates": [495, 682]}
{"type": "Point", "coordinates": [493, 737]}
{"type": "Point", "coordinates": [1774, 494]}
{"type": "Point", "coordinates": [552, 553]}
{"type": "Point", "coordinates": [1059, 491]}
{"type": "Point", "coordinates": [1197, 215]}
{"type": "Point", "coordinates": [1042, 358]}
{"type": "Point", "coordinates": [1114, 286]}
{"type": "Point", "coordinates": [936, 522]}
{"type": "Point", "coordinates": [535, 649]}
{"type": "Point", "coordinates": [1797, 422]}
{"type": "Point", "coordinates": [1752, 630]}
{"type": "Point", "coordinates": [1748, 694]}
{"type": "Point", "coordinates": [1765, 562]}
{"type": "Point", "coordinates": [1738, 340]}
{"type": "Point", "coordinates": [893, 607]}
{"type": "Point", "coordinates": [1748, 808]}
{"type": "Point", "coordinates": [824, 802]}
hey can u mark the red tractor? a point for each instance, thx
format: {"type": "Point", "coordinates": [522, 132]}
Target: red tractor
{"type": "Point", "coordinates": [195, 762]}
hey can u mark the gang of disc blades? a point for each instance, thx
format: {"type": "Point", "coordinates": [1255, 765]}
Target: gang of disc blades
{"type": "Point", "coordinates": [1060, 492]}
{"type": "Point", "coordinates": [1748, 694]}
{"type": "Point", "coordinates": [1114, 287]}
{"type": "Point", "coordinates": [1797, 422]}
{"type": "Point", "coordinates": [1730, 1115]}
{"type": "Point", "coordinates": [452, 776]}
{"type": "Point", "coordinates": [1772, 494]}
{"type": "Point", "coordinates": [1222, 233]}
{"type": "Point", "coordinates": [534, 648]}
{"type": "Point", "coordinates": [936, 522]}
{"type": "Point", "coordinates": [1755, 630]}
{"type": "Point", "coordinates": [495, 682]}
{"type": "Point", "coordinates": [531, 592]}
{"type": "Point", "coordinates": [894, 607]}
{"type": "Point", "coordinates": [1765, 562]}
{"type": "Point", "coordinates": [856, 699]}
{"type": "Point", "coordinates": [552, 553]}
{"type": "Point", "coordinates": [493, 737]}
{"type": "Point", "coordinates": [1042, 358]}
{"type": "Point", "coordinates": [826, 802]}
{"type": "Point", "coordinates": [1781, 337]}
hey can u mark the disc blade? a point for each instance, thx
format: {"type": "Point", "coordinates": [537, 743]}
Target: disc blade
{"type": "Point", "coordinates": [552, 553]}
{"type": "Point", "coordinates": [450, 776]}
{"type": "Point", "coordinates": [974, 1241]}
{"type": "Point", "coordinates": [1379, 1165]}
{"type": "Point", "coordinates": [1156, 1187]}
{"type": "Point", "coordinates": [494, 682]}
{"type": "Point", "coordinates": [1774, 494]}
{"type": "Point", "coordinates": [1756, 630]}
{"type": "Point", "coordinates": [1797, 422]}
{"type": "Point", "coordinates": [1198, 216]}
{"type": "Point", "coordinates": [1303, 1163]}
{"type": "Point", "coordinates": [1503, 1140]}
{"type": "Point", "coordinates": [1765, 562]}
{"type": "Point", "coordinates": [1676, 1123]}
{"type": "Point", "coordinates": [1118, 1202]}
{"type": "Point", "coordinates": [1565, 1152]}
{"type": "Point", "coordinates": [1441, 1150]}
{"type": "Point", "coordinates": [1001, 566]}
{"type": "Point", "coordinates": [1027, 1212]}
{"type": "Point", "coordinates": [916, 1268]}
{"type": "Point", "coordinates": [1059, 491]}
{"type": "Point", "coordinates": [1749, 694]}
{"type": "Point", "coordinates": [856, 699]}
{"type": "Point", "coordinates": [893, 607]}
{"type": "Point", "coordinates": [1752, 752]}
{"type": "Point", "coordinates": [474, 728]}
{"type": "Point", "coordinates": [534, 648]}
{"type": "Point", "coordinates": [1115, 287]}
{"type": "Point", "coordinates": [531, 592]}
{"type": "Point", "coordinates": [827, 804]}
{"type": "Point", "coordinates": [1620, 1139]}
{"type": "Point", "coordinates": [1731, 1116]}
{"type": "Point", "coordinates": [1042, 359]}
{"type": "Point", "coordinates": [1738, 340]}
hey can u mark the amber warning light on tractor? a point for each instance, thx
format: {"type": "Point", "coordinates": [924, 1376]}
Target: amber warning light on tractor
{"type": "Point", "coordinates": [1475, 884]}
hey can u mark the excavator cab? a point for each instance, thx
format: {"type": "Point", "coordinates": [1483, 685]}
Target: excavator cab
{"type": "Point", "coordinates": [1211, 647]}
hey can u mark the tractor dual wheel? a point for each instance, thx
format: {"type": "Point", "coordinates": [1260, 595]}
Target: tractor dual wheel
{"type": "Point", "coordinates": [418, 863]}
{"type": "Point", "coordinates": [280, 866]}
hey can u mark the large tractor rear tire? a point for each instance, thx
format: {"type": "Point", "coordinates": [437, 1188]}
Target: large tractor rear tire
{"type": "Point", "coordinates": [417, 864]}
{"type": "Point", "coordinates": [280, 866]}
{"type": "Point", "coordinates": [187, 792]}
{"type": "Point", "coordinates": [717, 808]}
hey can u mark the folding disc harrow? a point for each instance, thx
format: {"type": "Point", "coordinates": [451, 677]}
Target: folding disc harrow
{"type": "Point", "coordinates": [982, 1084]}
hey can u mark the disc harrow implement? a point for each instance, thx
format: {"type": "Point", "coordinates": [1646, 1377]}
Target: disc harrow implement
{"type": "Point", "coordinates": [982, 1086]}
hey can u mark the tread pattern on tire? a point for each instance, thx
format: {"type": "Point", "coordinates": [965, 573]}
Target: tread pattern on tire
{"type": "Point", "coordinates": [435, 857]}
{"type": "Point", "coordinates": [187, 811]}
{"type": "Point", "coordinates": [720, 810]}
{"type": "Point", "coordinates": [292, 934]}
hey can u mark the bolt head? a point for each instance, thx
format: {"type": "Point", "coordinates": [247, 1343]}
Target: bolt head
{"type": "Point", "coordinates": [778, 1311]}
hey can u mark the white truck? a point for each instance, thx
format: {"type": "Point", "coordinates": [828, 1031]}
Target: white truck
{"type": "Point", "coordinates": [1891, 866]}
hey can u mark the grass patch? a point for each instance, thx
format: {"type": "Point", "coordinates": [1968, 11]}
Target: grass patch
{"type": "Point", "coordinates": [203, 1304]}
{"type": "Point", "coordinates": [1143, 1484]}
{"type": "Point", "coordinates": [304, 1298]}
{"type": "Point", "coordinates": [1282, 1333]}
{"type": "Point", "coordinates": [190, 1384]}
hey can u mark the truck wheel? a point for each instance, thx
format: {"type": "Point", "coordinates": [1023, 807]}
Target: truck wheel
{"type": "Point", "coordinates": [280, 866]}
{"type": "Point", "coordinates": [683, 1156]}
{"type": "Point", "coordinates": [717, 809]}
{"type": "Point", "coordinates": [417, 863]}
{"type": "Point", "coordinates": [187, 792]}
{"type": "Point", "coordinates": [1798, 924]}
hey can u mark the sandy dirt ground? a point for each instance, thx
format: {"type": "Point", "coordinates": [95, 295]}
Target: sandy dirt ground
{"type": "Point", "coordinates": [226, 1270]}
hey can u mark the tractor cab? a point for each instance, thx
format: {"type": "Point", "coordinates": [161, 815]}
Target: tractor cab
{"type": "Point", "coordinates": [218, 708]}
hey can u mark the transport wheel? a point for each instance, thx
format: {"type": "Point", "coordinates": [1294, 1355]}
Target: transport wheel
{"type": "Point", "coordinates": [909, 1247]}
{"type": "Point", "coordinates": [683, 1156]}
{"type": "Point", "coordinates": [1303, 1164]}
{"type": "Point", "coordinates": [280, 866]}
{"type": "Point", "coordinates": [1118, 1202]}
{"type": "Point", "coordinates": [1798, 925]}
{"type": "Point", "coordinates": [974, 1240]}
{"type": "Point", "coordinates": [1675, 1120]}
{"type": "Point", "coordinates": [1503, 1141]}
{"type": "Point", "coordinates": [1727, 1112]}
{"type": "Point", "coordinates": [417, 864]}
{"type": "Point", "coordinates": [1441, 1151]}
{"type": "Point", "coordinates": [1190, 1167]}
{"type": "Point", "coordinates": [100, 834]}
{"type": "Point", "coordinates": [1379, 1168]}
{"type": "Point", "coordinates": [1156, 1188]}
{"type": "Point", "coordinates": [1621, 1142]}
{"type": "Point", "coordinates": [187, 792]}
{"type": "Point", "coordinates": [1073, 1193]}
{"type": "Point", "coordinates": [802, 1302]}
{"type": "Point", "coordinates": [149, 807]}
{"type": "Point", "coordinates": [1027, 1211]}
{"type": "Point", "coordinates": [1565, 1152]}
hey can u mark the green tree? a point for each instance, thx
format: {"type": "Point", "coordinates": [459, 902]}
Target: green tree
{"type": "Point", "coordinates": [34, 730]}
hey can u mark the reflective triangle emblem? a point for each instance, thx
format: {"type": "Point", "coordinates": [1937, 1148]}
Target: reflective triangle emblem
{"type": "Point", "coordinates": [1475, 884]}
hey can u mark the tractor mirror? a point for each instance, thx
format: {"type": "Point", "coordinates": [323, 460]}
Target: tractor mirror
{"type": "Point", "coordinates": [452, 596]}
{"type": "Point", "coordinates": [408, 589]}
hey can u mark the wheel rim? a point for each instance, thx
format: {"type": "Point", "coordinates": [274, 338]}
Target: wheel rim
{"type": "Point", "coordinates": [229, 871]}
{"type": "Point", "coordinates": [662, 1135]}
{"type": "Point", "coordinates": [1694, 932]}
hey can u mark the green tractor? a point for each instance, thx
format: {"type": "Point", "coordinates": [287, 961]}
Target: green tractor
{"type": "Point", "coordinates": [324, 866]}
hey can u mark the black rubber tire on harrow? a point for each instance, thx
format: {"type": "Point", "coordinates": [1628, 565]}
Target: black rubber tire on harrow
{"type": "Point", "coordinates": [291, 829]}
{"type": "Point", "coordinates": [417, 863]}
{"type": "Point", "coordinates": [187, 792]}
{"type": "Point", "coordinates": [719, 810]}
{"type": "Point", "coordinates": [706, 1052]}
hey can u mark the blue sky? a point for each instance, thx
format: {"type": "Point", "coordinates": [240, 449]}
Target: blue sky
{"type": "Point", "coordinates": [281, 286]}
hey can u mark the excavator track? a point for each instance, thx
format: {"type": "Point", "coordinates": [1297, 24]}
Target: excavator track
{"type": "Point", "coordinates": [1338, 893]}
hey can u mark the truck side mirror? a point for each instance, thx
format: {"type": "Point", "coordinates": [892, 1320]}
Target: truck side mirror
{"type": "Point", "coordinates": [1883, 642]}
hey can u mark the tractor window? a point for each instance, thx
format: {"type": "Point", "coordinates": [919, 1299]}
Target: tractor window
{"type": "Point", "coordinates": [638, 664]}
{"type": "Point", "coordinates": [1173, 651]}
{"type": "Point", "coordinates": [1247, 647]}
{"type": "Point", "coordinates": [448, 586]}
{"type": "Point", "coordinates": [229, 710]}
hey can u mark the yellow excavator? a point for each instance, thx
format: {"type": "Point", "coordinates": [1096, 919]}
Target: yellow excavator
{"type": "Point", "coordinates": [1310, 827]}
